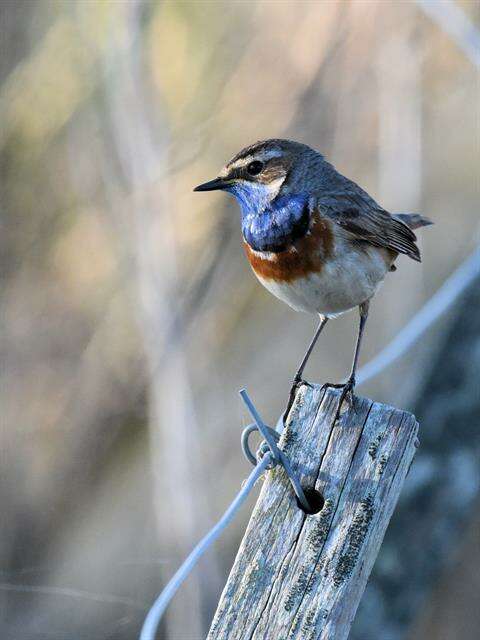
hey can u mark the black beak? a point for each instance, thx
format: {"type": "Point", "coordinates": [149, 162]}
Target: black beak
{"type": "Point", "coordinates": [213, 185]}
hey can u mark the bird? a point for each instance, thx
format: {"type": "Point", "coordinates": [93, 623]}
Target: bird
{"type": "Point", "coordinates": [314, 238]}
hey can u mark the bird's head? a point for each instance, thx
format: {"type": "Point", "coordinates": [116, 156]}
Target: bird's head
{"type": "Point", "coordinates": [262, 171]}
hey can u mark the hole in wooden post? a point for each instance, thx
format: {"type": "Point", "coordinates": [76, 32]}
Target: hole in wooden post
{"type": "Point", "coordinates": [314, 499]}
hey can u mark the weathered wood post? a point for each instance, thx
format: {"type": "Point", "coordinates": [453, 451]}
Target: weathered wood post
{"type": "Point", "coordinates": [302, 576]}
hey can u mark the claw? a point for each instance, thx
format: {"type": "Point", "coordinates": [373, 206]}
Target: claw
{"type": "Point", "coordinates": [347, 393]}
{"type": "Point", "coordinates": [297, 383]}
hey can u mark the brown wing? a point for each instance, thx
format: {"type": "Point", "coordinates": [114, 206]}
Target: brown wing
{"type": "Point", "coordinates": [361, 217]}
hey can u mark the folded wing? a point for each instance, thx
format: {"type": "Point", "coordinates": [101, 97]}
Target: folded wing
{"type": "Point", "coordinates": [362, 218]}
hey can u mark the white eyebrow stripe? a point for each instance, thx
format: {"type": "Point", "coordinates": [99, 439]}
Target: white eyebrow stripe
{"type": "Point", "coordinates": [263, 156]}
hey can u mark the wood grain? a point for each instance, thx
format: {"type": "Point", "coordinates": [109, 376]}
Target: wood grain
{"type": "Point", "coordinates": [302, 576]}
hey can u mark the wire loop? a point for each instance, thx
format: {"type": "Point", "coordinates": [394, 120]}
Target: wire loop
{"type": "Point", "coordinates": [269, 445]}
{"type": "Point", "coordinates": [263, 447]}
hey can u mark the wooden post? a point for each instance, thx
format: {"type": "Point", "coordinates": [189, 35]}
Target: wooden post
{"type": "Point", "coordinates": [299, 576]}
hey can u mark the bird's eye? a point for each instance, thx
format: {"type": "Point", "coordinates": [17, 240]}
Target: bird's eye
{"type": "Point", "coordinates": [254, 167]}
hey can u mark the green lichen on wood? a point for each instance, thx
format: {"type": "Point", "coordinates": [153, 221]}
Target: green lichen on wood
{"type": "Point", "coordinates": [382, 464]}
{"type": "Point", "coordinates": [356, 535]}
{"type": "Point", "coordinates": [373, 448]}
{"type": "Point", "coordinates": [309, 620]}
{"type": "Point", "coordinates": [294, 629]}
{"type": "Point", "coordinates": [294, 414]}
{"type": "Point", "coordinates": [288, 438]}
{"type": "Point", "coordinates": [300, 587]}
{"type": "Point", "coordinates": [310, 625]}
{"type": "Point", "coordinates": [319, 532]}
{"type": "Point", "coordinates": [315, 541]}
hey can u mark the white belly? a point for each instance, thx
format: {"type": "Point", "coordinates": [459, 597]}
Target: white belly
{"type": "Point", "coordinates": [341, 285]}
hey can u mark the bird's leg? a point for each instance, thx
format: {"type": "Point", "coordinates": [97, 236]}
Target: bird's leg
{"type": "Point", "coordinates": [363, 308]}
{"type": "Point", "coordinates": [297, 380]}
{"type": "Point", "coordinates": [348, 387]}
{"type": "Point", "coordinates": [298, 376]}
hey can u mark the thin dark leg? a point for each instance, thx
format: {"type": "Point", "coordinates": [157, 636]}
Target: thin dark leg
{"type": "Point", "coordinates": [363, 308]}
{"type": "Point", "coordinates": [349, 386]}
{"type": "Point", "coordinates": [298, 376]}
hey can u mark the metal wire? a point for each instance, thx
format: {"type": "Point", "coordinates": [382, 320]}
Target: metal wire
{"type": "Point", "coordinates": [155, 614]}
{"type": "Point", "coordinates": [271, 440]}
{"type": "Point", "coordinates": [247, 452]}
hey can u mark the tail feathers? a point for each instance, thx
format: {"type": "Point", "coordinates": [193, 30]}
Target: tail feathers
{"type": "Point", "coordinates": [413, 220]}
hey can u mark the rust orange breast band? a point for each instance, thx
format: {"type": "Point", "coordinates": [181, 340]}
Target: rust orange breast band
{"type": "Point", "coordinates": [311, 252]}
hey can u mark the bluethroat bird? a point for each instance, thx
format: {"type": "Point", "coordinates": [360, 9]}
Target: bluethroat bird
{"type": "Point", "coordinates": [314, 238]}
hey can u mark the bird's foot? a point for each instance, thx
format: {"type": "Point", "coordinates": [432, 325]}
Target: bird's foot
{"type": "Point", "coordinates": [296, 384]}
{"type": "Point", "coordinates": [347, 388]}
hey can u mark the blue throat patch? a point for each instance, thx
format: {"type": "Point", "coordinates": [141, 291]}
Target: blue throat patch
{"type": "Point", "coordinates": [271, 225]}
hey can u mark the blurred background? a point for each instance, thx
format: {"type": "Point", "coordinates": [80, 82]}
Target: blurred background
{"type": "Point", "coordinates": [130, 317]}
